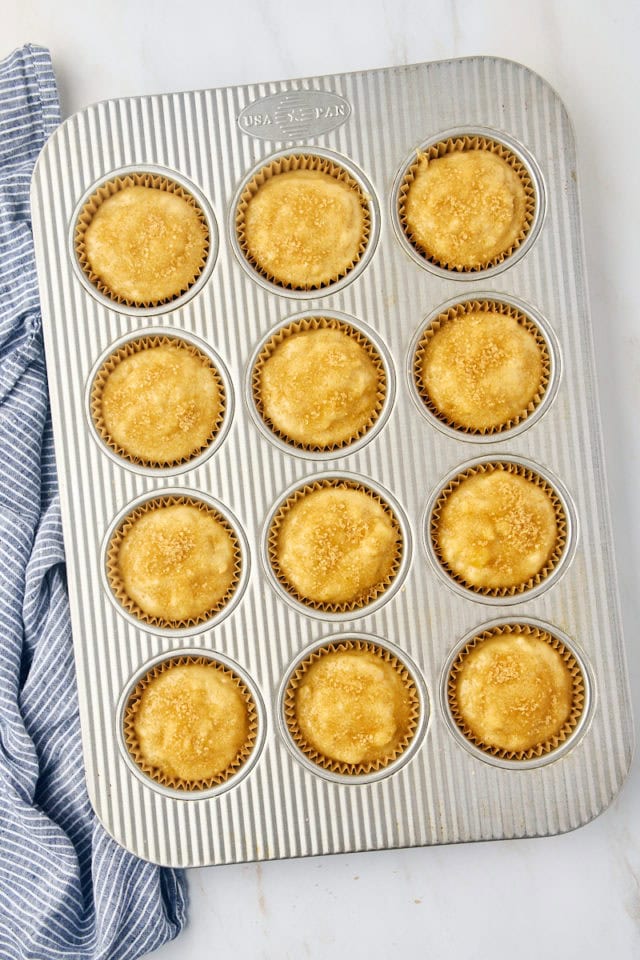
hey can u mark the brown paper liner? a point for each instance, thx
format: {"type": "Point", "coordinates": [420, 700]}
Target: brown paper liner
{"type": "Point", "coordinates": [452, 145]}
{"type": "Point", "coordinates": [561, 526]}
{"type": "Point", "coordinates": [273, 538]}
{"type": "Point", "coordinates": [318, 323]}
{"type": "Point", "coordinates": [340, 766]}
{"type": "Point", "coordinates": [486, 306]}
{"type": "Point", "coordinates": [284, 165]}
{"type": "Point", "coordinates": [155, 773]}
{"type": "Point", "coordinates": [578, 693]}
{"type": "Point", "coordinates": [90, 209]}
{"type": "Point", "coordinates": [113, 572]}
{"type": "Point", "coordinates": [127, 350]}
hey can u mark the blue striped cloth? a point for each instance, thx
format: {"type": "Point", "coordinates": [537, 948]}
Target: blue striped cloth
{"type": "Point", "coordinates": [66, 888]}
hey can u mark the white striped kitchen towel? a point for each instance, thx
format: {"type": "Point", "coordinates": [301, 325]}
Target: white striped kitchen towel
{"type": "Point", "coordinates": [66, 888]}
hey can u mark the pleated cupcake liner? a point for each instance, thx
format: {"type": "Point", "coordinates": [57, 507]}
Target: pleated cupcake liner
{"type": "Point", "coordinates": [113, 567]}
{"type": "Point", "coordinates": [460, 145]}
{"type": "Point", "coordinates": [138, 346]}
{"type": "Point", "coordinates": [318, 323]}
{"type": "Point", "coordinates": [560, 517]}
{"type": "Point", "coordinates": [567, 728]}
{"type": "Point", "coordinates": [304, 161]}
{"type": "Point", "coordinates": [344, 768]}
{"type": "Point", "coordinates": [273, 547]}
{"type": "Point", "coordinates": [91, 207]}
{"type": "Point", "coordinates": [484, 306]}
{"type": "Point", "coordinates": [160, 776]}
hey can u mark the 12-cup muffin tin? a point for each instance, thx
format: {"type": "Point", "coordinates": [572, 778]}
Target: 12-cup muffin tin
{"type": "Point", "coordinates": [442, 789]}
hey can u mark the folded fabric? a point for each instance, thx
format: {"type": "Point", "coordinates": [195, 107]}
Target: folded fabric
{"type": "Point", "coordinates": [66, 888]}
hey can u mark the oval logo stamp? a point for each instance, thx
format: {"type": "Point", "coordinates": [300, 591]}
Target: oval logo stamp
{"type": "Point", "coordinates": [297, 115]}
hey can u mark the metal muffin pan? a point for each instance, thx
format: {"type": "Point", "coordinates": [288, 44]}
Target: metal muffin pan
{"type": "Point", "coordinates": [212, 141]}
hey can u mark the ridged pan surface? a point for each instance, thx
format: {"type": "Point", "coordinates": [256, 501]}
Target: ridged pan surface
{"type": "Point", "coordinates": [213, 139]}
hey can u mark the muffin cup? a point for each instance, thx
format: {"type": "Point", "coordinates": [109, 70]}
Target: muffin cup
{"type": "Point", "coordinates": [342, 770]}
{"type": "Point", "coordinates": [462, 140]}
{"type": "Point", "coordinates": [484, 305]}
{"type": "Point", "coordinates": [377, 594]}
{"type": "Point", "coordinates": [88, 210]}
{"type": "Point", "coordinates": [132, 703]}
{"type": "Point", "coordinates": [565, 541]}
{"type": "Point", "coordinates": [129, 348]}
{"type": "Point", "coordinates": [319, 322]}
{"type": "Point", "coordinates": [548, 749]}
{"type": "Point", "coordinates": [284, 163]}
{"type": "Point", "coordinates": [129, 607]}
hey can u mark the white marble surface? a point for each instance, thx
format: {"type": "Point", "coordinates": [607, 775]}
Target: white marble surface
{"type": "Point", "coordinates": [571, 896]}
